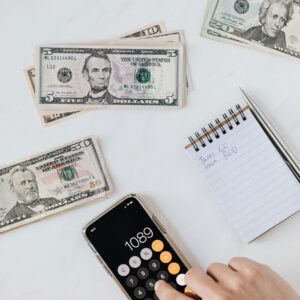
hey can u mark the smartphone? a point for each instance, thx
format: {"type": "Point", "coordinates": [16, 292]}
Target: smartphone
{"type": "Point", "coordinates": [135, 249]}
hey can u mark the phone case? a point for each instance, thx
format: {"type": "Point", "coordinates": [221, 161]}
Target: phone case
{"type": "Point", "coordinates": [155, 220]}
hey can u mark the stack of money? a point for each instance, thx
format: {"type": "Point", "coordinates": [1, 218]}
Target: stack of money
{"type": "Point", "coordinates": [271, 26]}
{"type": "Point", "coordinates": [145, 67]}
{"type": "Point", "coordinates": [51, 182]}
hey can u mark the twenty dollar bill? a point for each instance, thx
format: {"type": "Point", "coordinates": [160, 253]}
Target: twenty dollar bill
{"type": "Point", "coordinates": [270, 26]}
{"type": "Point", "coordinates": [51, 182]}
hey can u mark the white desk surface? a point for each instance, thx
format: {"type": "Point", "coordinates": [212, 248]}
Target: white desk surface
{"type": "Point", "coordinates": [143, 148]}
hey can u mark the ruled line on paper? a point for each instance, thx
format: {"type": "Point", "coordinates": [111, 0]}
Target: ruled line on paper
{"type": "Point", "coordinates": [249, 177]}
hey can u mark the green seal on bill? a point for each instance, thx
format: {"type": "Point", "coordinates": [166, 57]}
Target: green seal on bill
{"type": "Point", "coordinates": [143, 75]}
{"type": "Point", "coordinates": [68, 173]}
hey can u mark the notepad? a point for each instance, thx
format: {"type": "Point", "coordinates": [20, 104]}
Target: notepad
{"type": "Point", "coordinates": [250, 179]}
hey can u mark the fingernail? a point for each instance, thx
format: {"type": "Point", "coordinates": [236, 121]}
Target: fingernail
{"type": "Point", "coordinates": [157, 284]}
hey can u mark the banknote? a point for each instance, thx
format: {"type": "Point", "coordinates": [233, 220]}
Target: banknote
{"type": "Point", "coordinates": [267, 25]}
{"type": "Point", "coordinates": [148, 30]}
{"type": "Point", "coordinates": [167, 37]}
{"type": "Point", "coordinates": [51, 182]}
{"type": "Point", "coordinates": [49, 118]}
{"type": "Point", "coordinates": [45, 117]}
{"type": "Point", "coordinates": [217, 35]}
{"type": "Point", "coordinates": [213, 33]}
{"type": "Point", "coordinates": [90, 77]}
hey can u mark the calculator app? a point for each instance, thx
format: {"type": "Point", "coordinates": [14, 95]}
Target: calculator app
{"type": "Point", "coordinates": [136, 251]}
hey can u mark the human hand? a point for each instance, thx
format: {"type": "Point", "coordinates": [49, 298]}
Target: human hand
{"type": "Point", "coordinates": [242, 279]}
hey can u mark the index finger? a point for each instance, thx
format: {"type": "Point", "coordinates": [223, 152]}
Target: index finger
{"type": "Point", "coordinates": [165, 292]}
{"type": "Point", "coordinates": [202, 284]}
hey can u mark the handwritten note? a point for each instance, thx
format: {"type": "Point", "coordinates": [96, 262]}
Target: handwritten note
{"type": "Point", "coordinates": [251, 181]}
{"type": "Point", "coordinates": [224, 152]}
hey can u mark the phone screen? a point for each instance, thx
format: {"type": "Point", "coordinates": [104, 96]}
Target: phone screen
{"type": "Point", "coordinates": [135, 250]}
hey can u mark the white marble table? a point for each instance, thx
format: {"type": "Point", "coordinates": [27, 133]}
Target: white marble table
{"type": "Point", "coordinates": [143, 149]}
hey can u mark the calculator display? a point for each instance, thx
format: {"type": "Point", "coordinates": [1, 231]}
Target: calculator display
{"type": "Point", "coordinates": [135, 250]}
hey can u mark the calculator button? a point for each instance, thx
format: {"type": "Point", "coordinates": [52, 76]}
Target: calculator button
{"type": "Point", "coordinates": [154, 265]}
{"type": "Point", "coordinates": [123, 270]}
{"type": "Point", "coordinates": [165, 257]}
{"type": "Point", "coordinates": [131, 281]}
{"type": "Point", "coordinates": [180, 279]}
{"type": "Point", "coordinates": [146, 254]}
{"type": "Point", "coordinates": [135, 262]}
{"type": "Point", "coordinates": [143, 273]}
{"type": "Point", "coordinates": [139, 293]}
{"type": "Point", "coordinates": [157, 246]}
{"type": "Point", "coordinates": [162, 275]}
{"type": "Point", "coordinates": [150, 284]}
{"type": "Point", "coordinates": [173, 268]}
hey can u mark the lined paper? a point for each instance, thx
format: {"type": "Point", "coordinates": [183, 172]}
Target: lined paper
{"type": "Point", "coordinates": [251, 181]}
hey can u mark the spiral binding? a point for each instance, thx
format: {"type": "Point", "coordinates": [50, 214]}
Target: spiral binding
{"type": "Point", "coordinates": [215, 131]}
